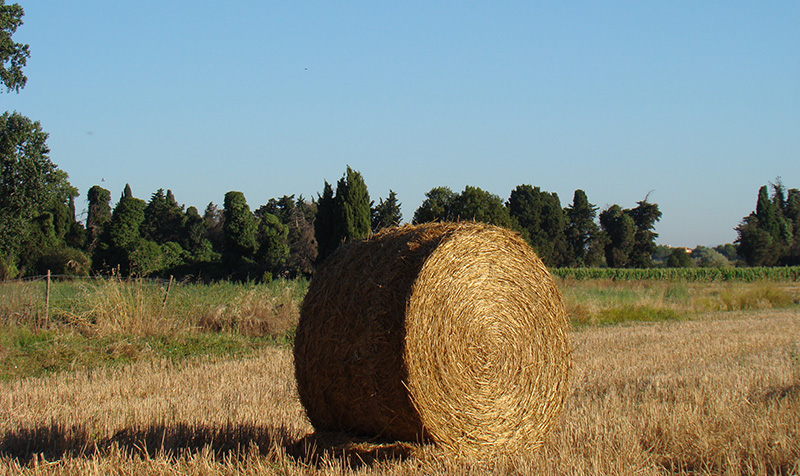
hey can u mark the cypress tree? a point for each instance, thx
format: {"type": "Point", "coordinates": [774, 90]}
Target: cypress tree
{"type": "Point", "coordinates": [387, 213]}
{"type": "Point", "coordinates": [325, 223]}
{"type": "Point", "coordinates": [163, 218]}
{"type": "Point", "coordinates": [768, 237]}
{"type": "Point", "coordinates": [298, 217]}
{"type": "Point", "coordinates": [126, 219]}
{"type": "Point", "coordinates": [273, 247]}
{"type": "Point", "coordinates": [582, 233]}
{"type": "Point", "coordinates": [644, 216]}
{"type": "Point", "coordinates": [121, 235]}
{"type": "Point", "coordinates": [239, 228]}
{"type": "Point", "coordinates": [99, 213]}
{"type": "Point", "coordinates": [352, 200]}
{"type": "Point", "coordinates": [214, 218]}
{"type": "Point", "coordinates": [620, 231]}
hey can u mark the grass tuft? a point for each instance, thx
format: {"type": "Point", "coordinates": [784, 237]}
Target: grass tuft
{"type": "Point", "coordinates": [109, 322]}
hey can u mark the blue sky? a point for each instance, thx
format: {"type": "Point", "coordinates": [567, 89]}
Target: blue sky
{"type": "Point", "coordinates": [696, 103]}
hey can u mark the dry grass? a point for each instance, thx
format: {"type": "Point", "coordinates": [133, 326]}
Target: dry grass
{"type": "Point", "coordinates": [110, 307]}
{"type": "Point", "coordinates": [605, 301]}
{"type": "Point", "coordinates": [718, 395]}
{"type": "Point", "coordinates": [106, 322]}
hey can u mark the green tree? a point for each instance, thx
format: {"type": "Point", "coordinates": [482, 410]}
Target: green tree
{"type": "Point", "coordinates": [13, 56]}
{"type": "Point", "coordinates": [99, 214]}
{"type": "Point", "coordinates": [585, 245]}
{"type": "Point", "coordinates": [193, 235]}
{"type": "Point", "coordinates": [766, 236]}
{"type": "Point", "coordinates": [620, 231]}
{"type": "Point", "coordinates": [474, 203]}
{"type": "Point", "coordinates": [343, 217]}
{"type": "Point", "coordinates": [325, 228]}
{"type": "Point", "coordinates": [644, 215]}
{"type": "Point", "coordinates": [706, 257]}
{"type": "Point", "coordinates": [126, 221]}
{"type": "Point", "coordinates": [121, 236]}
{"type": "Point", "coordinates": [163, 218]}
{"type": "Point", "coordinates": [239, 229]}
{"type": "Point", "coordinates": [30, 184]}
{"type": "Point", "coordinates": [145, 257]}
{"type": "Point", "coordinates": [40, 239]}
{"type": "Point", "coordinates": [679, 258]}
{"type": "Point", "coordinates": [273, 249]}
{"type": "Point", "coordinates": [792, 211]}
{"type": "Point", "coordinates": [540, 214]}
{"type": "Point", "coordinates": [755, 244]}
{"type": "Point", "coordinates": [437, 206]}
{"type": "Point", "coordinates": [768, 212]}
{"type": "Point", "coordinates": [792, 215]}
{"type": "Point", "coordinates": [352, 199]}
{"type": "Point", "coordinates": [214, 220]}
{"type": "Point", "coordinates": [387, 213]}
{"type": "Point", "coordinates": [298, 216]}
{"type": "Point", "coordinates": [729, 251]}
{"type": "Point", "coordinates": [75, 236]}
{"type": "Point", "coordinates": [63, 260]}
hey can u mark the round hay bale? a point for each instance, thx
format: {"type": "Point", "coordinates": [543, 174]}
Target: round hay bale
{"type": "Point", "coordinates": [446, 332]}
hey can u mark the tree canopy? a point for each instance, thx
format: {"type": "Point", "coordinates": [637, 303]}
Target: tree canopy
{"type": "Point", "coordinates": [345, 216]}
{"type": "Point", "coordinates": [540, 214]}
{"type": "Point", "coordinates": [30, 184]}
{"type": "Point", "coordinates": [769, 235]}
{"type": "Point", "coordinates": [387, 213]}
{"type": "Point", "coordinates": [473, 203]}
{"type": "Point", "coordinates": [13, 56]}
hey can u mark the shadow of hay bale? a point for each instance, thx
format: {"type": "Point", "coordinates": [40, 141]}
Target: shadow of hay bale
{"type": "Point", "coordinates": [231, 442]}
{"type": "Point", "coordinates": [51, 442]}
{"type": "Point", "coordinates": [55, 441]}
{"type": "Point", "coordinates": [318, 448]}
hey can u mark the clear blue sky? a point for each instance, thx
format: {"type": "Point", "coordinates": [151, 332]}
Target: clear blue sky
{"type": "Point", "coordinates": [696, 103]}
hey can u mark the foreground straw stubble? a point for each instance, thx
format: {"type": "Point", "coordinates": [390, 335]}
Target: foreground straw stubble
{"type": "Point", "coordinates": [720, 395]}
{"type": "Point", "coordinates": [449, 332]}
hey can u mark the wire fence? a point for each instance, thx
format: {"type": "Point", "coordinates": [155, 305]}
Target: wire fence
{"type": "Point", "coordinates": [52, 300]}
{"type": "Point", "coordinates": [58, 291]}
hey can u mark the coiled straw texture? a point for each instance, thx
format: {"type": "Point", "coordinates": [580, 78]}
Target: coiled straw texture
{"type": "Point", "coordinates": [448, 332]}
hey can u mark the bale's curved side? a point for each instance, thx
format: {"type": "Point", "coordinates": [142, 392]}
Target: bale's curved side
{"type": "Point", "coordinates": [350, 337]}
{"type": "Point", "coordinates": [453, 332]}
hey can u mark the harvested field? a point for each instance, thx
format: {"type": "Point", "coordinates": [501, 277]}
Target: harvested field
{"type": "Point", "coordinates": [716, 395]}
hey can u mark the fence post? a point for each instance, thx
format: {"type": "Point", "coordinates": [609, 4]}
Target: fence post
{"type": "Point", "coordinates": [166, 295]}
{"type": "Point", "coordinates": [47, 299]}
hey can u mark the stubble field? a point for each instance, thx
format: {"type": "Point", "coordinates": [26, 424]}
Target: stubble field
{"type": "Point", "coordinates": [715, 394]}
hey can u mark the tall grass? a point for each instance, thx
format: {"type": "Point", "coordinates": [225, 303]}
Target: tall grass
{"type": "Point", "coordinates": [608, 301]}
{"type": "Point", "coordinates": [145, 308]}
{"type": "Point", "coordinates": [97, 322]}
{"type": "Point", "coordinates": [94, 322]}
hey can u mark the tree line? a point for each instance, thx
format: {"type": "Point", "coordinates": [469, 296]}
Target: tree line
{"type": "Point", "coordinates": [289, 236]}
{"type": "Point", "coordinates": [770, 235]}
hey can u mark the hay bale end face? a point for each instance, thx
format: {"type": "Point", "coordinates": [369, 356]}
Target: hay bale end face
{"type": "Point", "coordinates": [446, 332]}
